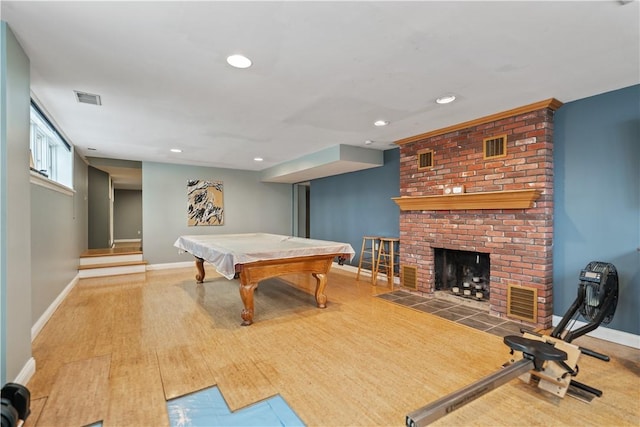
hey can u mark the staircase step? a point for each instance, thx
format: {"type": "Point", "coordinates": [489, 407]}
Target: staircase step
{"type": "Point", "coordinates": [113, 269]}
{"type": "Point", "coordinates": [113, 264]}
{"type": "Point", "coordinates": [110, 251]}
{"type": "Point", "coordinates": [110, 259]}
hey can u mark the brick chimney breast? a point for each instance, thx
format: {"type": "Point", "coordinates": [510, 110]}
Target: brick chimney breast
{"type": "Point", "coordinates": [518, 241]}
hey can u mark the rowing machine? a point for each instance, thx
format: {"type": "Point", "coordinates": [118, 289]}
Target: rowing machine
{"type": "Point", "coordinates": [551, 360]}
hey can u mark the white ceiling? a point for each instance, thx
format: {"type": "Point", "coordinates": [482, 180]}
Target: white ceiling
{"type": "Point", "coordinates": [322, 72]}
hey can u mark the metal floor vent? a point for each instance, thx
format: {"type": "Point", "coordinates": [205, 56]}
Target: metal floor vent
{"type": "Point", "coordinates": [521, 303]}
{"type": "Point", "coordinates": [409, 277]}
{"type": "Point", "coordinates": [88, 98]}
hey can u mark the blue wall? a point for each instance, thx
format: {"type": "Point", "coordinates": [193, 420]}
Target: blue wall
{"type": "Point", "coordinates": [346, 207]}
{"type": "Point", "coordinates": [597, 197]}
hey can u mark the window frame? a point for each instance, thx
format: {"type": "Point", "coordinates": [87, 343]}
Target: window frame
{"type": "Point", "coordinates": [51, 154]}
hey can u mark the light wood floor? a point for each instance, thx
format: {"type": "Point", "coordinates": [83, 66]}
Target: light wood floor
{"type": "Point", "coordinates": [117, 348]}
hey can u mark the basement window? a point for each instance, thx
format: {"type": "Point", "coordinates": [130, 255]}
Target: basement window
{"type": "Point", "coordinates": [425, 159]}
{"type": "Point", "coordinates": [51, 154]}
{"type": "Point", "coordinates": [495, 146]}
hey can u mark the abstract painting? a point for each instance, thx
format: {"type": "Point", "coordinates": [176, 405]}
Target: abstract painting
{"type": "Point", "coordinates": [206, 204]}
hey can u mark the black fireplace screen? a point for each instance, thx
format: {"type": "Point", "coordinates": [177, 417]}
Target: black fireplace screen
{"type": "Point", "coordinates": [463, 273]}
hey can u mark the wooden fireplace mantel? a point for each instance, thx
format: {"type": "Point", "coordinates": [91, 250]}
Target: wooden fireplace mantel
{"type": "Point", "coordinates": [510, 199]}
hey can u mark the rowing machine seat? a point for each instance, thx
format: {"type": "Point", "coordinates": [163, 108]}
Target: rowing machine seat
{"type": "Point", "coordinates": [539, 351]}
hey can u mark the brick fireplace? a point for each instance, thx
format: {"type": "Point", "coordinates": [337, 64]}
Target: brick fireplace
{"type": "Point", "coordinates": [505, 209]}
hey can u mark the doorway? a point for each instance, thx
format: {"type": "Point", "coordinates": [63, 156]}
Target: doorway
{"type": "Point", "coordinates": [115, 203]}
{"type": "Point", "coordinates": [301, 209]}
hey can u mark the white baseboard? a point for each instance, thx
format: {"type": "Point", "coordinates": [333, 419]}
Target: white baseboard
{"type": "Point", "coordinates": [346, 267]}
{"type": "Point", "coordinates": [353, 269]}
{"type": "Point", "coordinates": [127, 240]}
{"type": "Point", "coordinates": [169, 265]}
{"type": "Point", "coordinates": [28, 370]}
{"type": "Point", "coordinates": [611, 335]}
{"type": "Point", "coordinates": [37, 327]}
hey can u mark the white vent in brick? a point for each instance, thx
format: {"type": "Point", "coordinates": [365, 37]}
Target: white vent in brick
{"type": "Point", "coordinates": [409, 277]}
{"type": "Point", "coordinates": [88, 98]}
{"type": "Point", "coordinates": [521, 303]}
{"type": "Point", "coordinates": [425, 159]}
{"type": "Point", "coordinates": [495, 146]}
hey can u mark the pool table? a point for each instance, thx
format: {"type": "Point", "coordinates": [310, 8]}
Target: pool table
{"type": "Point", "coordinates": [258, 256]}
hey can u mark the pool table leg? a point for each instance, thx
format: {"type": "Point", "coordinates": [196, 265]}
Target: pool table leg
{"type": "Point", "coordinates": [200, 268]}
{"type": "Point", "coordinates": [246, 294]}
{"type": "Point", "coordinates": [321, 298]}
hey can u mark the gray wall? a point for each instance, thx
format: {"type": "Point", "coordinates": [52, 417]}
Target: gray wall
{"type": "Point", "coordinates": [249, 206]}
{"type": "Point", "coordinates": [127, 214]}
{"type": "Point", "coordinates": [597, 197]}
{"type": "Point", "coordinates": [42, 231]}
{"type": "Point", "coordinates": [99, 209]}
{"type": "Point", "coordinates": [15, 204]}
{"type": "Point", "coordinates": [58, 236]}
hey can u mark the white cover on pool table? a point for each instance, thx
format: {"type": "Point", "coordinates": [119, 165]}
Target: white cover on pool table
{"type": "Point", "coordinates": [225, 251]}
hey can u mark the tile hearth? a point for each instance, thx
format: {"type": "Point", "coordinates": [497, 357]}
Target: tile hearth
{"type": "Point", "coordinates": [455, 311]}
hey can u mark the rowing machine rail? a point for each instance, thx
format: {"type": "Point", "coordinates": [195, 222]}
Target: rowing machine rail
{"type": "Point", "coordinates": [535, 354]}
{"type": "Point", "coordinates": [444, 405]}
{"type": "Point", "coordinates": [553, 360]}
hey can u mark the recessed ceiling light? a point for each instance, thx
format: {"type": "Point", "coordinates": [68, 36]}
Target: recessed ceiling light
{"type": "Point", "coordinates": [381, 122]}
{"type": "Point", "coordinates": [176, 150]}
{"type": "Point", "coordinates": [258, 159]}
{"type": "Point", "coordinates": [446, 99]}
{"type": "Point", "coordinates": [368, 142]}
{"type": "Point", "coordinates": [239, 61]}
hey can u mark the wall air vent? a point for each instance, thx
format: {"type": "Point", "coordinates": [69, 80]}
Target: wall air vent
{"type": "Point", "coordinates": [409, 277]}
{"type": "Point", "coordinates": [495, 146]}
{"type": "Point", "coordinates": [425, 159]}
{"type": "Point", "coordinates": [88, 98]}
{"type": "Point", "coordinates": [521, 303]}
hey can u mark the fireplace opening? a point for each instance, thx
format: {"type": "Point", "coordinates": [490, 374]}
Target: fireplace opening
{"type": "Point", "coordinates": [463, 273]}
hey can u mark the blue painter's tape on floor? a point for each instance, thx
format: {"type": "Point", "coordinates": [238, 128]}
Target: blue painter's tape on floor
{"type": "Point", "coordinates": [207, 408]}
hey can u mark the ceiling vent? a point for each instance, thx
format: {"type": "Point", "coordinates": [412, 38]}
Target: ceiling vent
{"type": "Point", "coordinates": [88, 98]}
